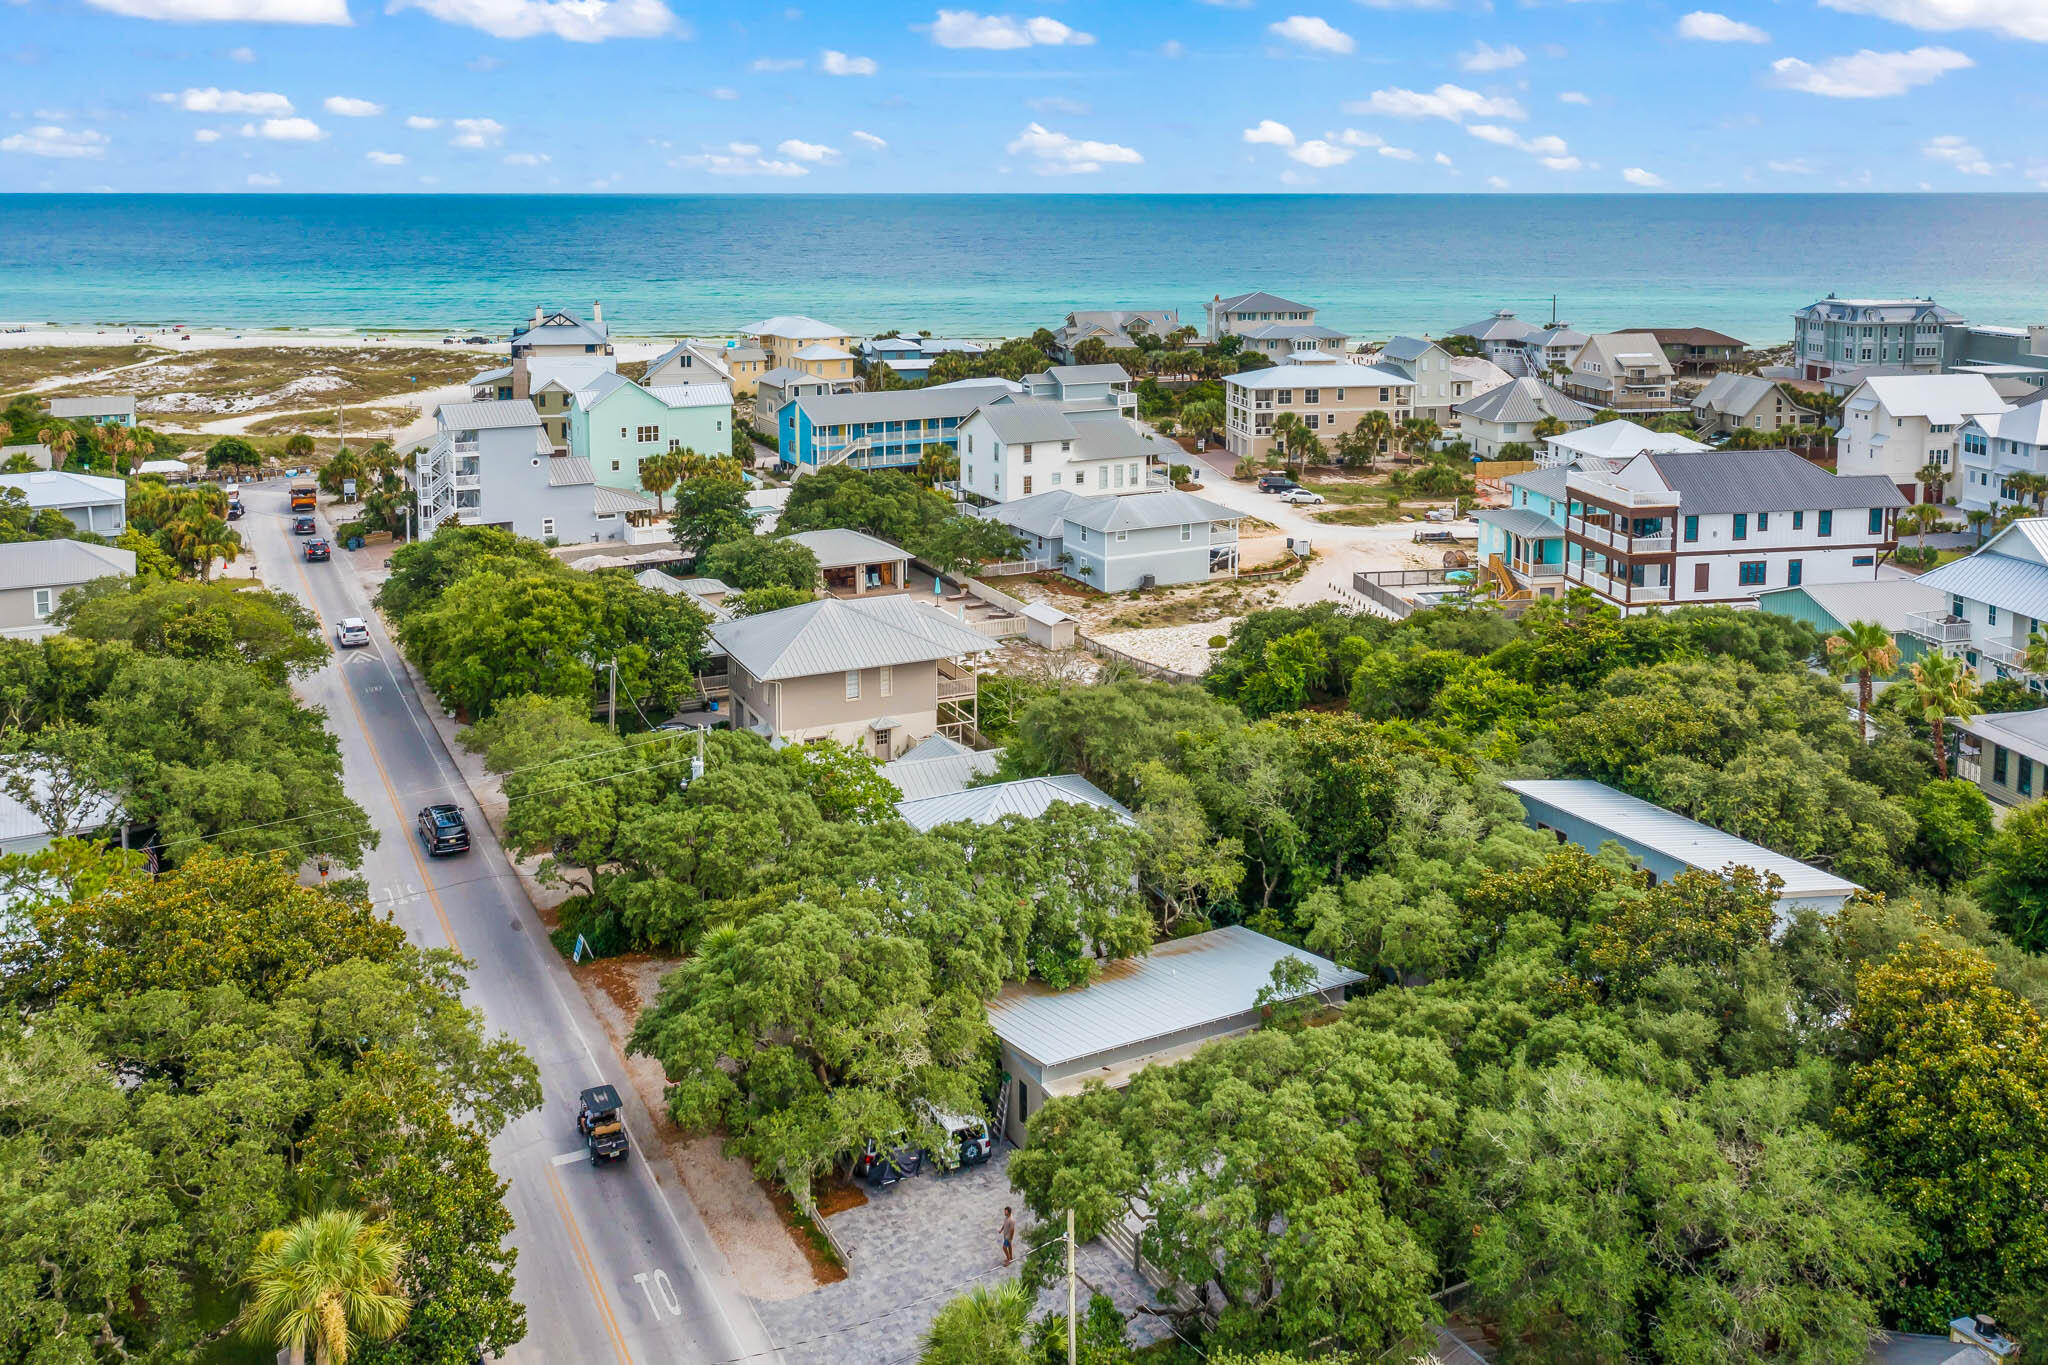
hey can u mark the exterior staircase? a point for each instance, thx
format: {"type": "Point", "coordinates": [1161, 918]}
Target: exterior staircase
{"type": "Point", "coordinates": [1507, 588]}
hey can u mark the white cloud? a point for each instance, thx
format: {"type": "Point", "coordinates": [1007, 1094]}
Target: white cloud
{"type": "Point", "coordinates": [1443, 159]}
{"type": "Point", "coordinates": [262, 180]}
{"type": "Point", "coordinates": [1172, 48]}
{"type": "Point", "coordinates": [1060, 104]}
{"type": "Point", "coordinates": [64, 144]}
{"type": "Point", "coordinates": [242, 54]}
{"type": "Point", "coordinates": [1483, 56]}
{"type": "Point", "coordinates": [1059, 154]}
{"type": "Point", "coordinates": [965, 28]}
{"type": "Point", "coordinates": [739, 158]}
{"type": "Point", "coordinates": [1493, 132]}
{"type": "Point", "coordinates": [285, 130]}
{"type": "Point", "coordinates": [725, 92]}
{"type": "Point", "coordinates": [1703, 25]}
{"type": "Point", "coordinates": [230, 11]}
{"type": "Point", "coordinates": [1321, 154]}
{"type": "Point", "coordinates": [1398, 153]}
{"type": "Point", "coordinates": [1452, 102]}
{"type": "Point", "coordinates": [1867, 74]}
{"type": "Point", "coordinates": [1573, 97]}
{"type": "Point", "coordinates": [345, 106]}
{"type": "Point", "coordinates": [1497, 182]}
{"type": "Point", "coordinates": [2014, 18]}
{"type": "Point", "coordinates": [777, 63]}
{"type": "Point", "coordinates": [869, 140]}
{"type": "Point", "coordinates": [798, 150]}
{"type": "Point", "coordinates": [1313, 33]}
{"type": "Point", "coordinates": [1957, 152]}
{"type": "Point", "coordinates": [476, 132]}
{"type": "Point", "coordinates": [527, 158]}
{"type": "Point", "coordinates": [1636, 175]}
{"type": "Point", "coordinates": [421, 122]}
{"type": "Point", "coordinates": [211, 100]}
{"type": "Point", "coordinates": [207, 135]}
{"type": "Point", "coordinates": [1352, 137]}
{"type": "Point", "coordinates": [834, 63]}
{"type": "Point", "coordinates": [385, 158]}
{"type": "Point", "coordinates": [1549, 148]}
{"type": "Point", "coordinates": [1791, 166]}
{"type": "Point", "coordinates": [574, 21]}
{"type": "Point", "coordinates": [1271, 132]}
{"type": "Point", "coordinates": [1562, 163]}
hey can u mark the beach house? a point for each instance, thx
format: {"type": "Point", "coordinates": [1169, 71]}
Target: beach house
{"type": "Point", "coordinates": [35, 575]}
{"type": "Point", "coordinates": [101, 409]}
{"type": "Point", "coordinates": [1994, 447]}
{"type": "Point", "coordinates": [795, 342]}
{"type": "Point", "coordinates": [614, 424]}
{"type": "Point", "coordinates": [1732, 401]}
{"type": "Point", "coordinates": [1016, 445]}
{"type": "Point", "coordinates": [1500, 339]}
{"type": "Point", "coordinates": [1280, 329]}
{"type": "Point", "coordinates": [492, 464]}
{"type": "Point", "coordinates": [737, 365]}
{"type": "Point", "coordinates": [1111, 327]}
{"type": "Point", "coordinates": [1622, 371]}
{"type": "Point", "coordinates": [1142, 540]}
{"type": "Point", "coordinates": [1440, 385]}
{"type": "Point", "coordinates": [911, 357]}
{"type": "Point", "coordinates": [561, 335]}
{"type": "Point", "coordinates": [1615, 440]}
{"type": "Point", "coordinates": [95, 504]}
{"type": "Point", "coordinates": [1994, 600]}
{"type": "Point", "coordinates": [1330, 399]}
{"type": "Point", "coordinates": [1696, 350]}
{"type": "Point", "coordinates": [1894, 425]}
{"type": "Point", "coordinates": [1841, 334]}
{"type": "Point", "coordinates": [1508, 416]}
{"type": "Point", "coordinates": [891, 429]}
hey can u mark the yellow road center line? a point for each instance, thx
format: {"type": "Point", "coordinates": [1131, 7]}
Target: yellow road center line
{"type": "Point", "coordinates": [582, 1255]}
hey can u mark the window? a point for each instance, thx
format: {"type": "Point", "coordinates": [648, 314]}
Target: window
{"type": "Point", "coordinates": [1990, 613]}
{"type": "Point", "coordinates": [648, 435]}
{"type": "Point", "coordinates": [1122, 536]}
{"type": "Point", "coordinates": [1752, 573]}
{"type": "Point", "coordinates": [1383, 395]}
{"type": "Point", "coordinates": [1102, 476]}
{"type": "Point", "coordinates": [2026, 782]}
{"type": "Point", "coordinates": [1311, 395]}
{"type": "Point", "coordinates": [1863, 561]}
{"type": "Point", "coordinates": [1027, 454]}
{"type": "Point", "coordinates": [1795, 570]}
{"type": "Point", "coordinates": [1742, 526]}
{"type": "Point", "coordinates": [547, 527]}
{"type": "Point", "coordinates": [44, 602]}
{"type": "Point", "coordinates": [1827, 522]}
{"type": "Point", "coordinates": [1314, 421]}
{"type": "Point", "coordinates": [1692, 528]}
{"type": "Point", "coordinates": [1187, 532]}
{"type": "Point", "coordinates": [1027, 485]}
{"type": "Point", "coordinates": [1799, 521]}
{"type": "Point", "coordinates": [615, 466]}
{"type": "Point", "coordinates": [1119, 476]}
{"type": "Point", "coordinates": [1763, 521]}
{"type": "Point", "coordinates": [1998, 764]}
{"type": "Point", "coordinates": [853, 684]}
{"type": "Point", "coordinates": [1876, 520]}
{"type": "Point", "coordinates": [885, 680]}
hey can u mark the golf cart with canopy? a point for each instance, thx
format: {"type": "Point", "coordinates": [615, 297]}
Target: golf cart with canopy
{"type": "Point", "coordinates": [599, 1123]}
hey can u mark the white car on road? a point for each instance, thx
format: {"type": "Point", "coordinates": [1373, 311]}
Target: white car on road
{"type": "Point", "coordinates": [351, 632]}
{"type": "Point", "coordinates": [1301, 495]}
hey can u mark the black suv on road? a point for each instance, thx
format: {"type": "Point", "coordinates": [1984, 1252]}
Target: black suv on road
{"type": "Point", "coordinates": [444, 830]}
{"type": "Point", "coordinates": [1276, 483]}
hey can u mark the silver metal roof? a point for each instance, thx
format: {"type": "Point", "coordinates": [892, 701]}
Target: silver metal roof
{"type": "Point", "coordinates": [1181, 986]}
{"type": "Point", "coordinates": [1029, 797]}
{"type": "Point", "coordinates": [489, 415]}
{"type": "Point", "coordinates": [1524, 400]}
{"type": "Point", "coordinates": [1064, 375]}
{"type": "Point", "coordinates": [567, 471]}
{"type": "Point", "coordinates": [2024, 731]}
{"type": "Point", "coordinates": [1325, 376]}
{"type": "Point", "coordinates": [1632, 820]}
{"type": "Point", "coordinates": [94, 405]}
{"type": "Point", "coordinates": [2018, 585]}
{"type": "Point", "coordinates": [607, 501]}
{"type": "Point", "coordinates": [835, 634]}
{"type": "Point", "coordinates": [1259, 301]}
{"type": "Point", "coordinates": [1019, 420]}
{"type": "Point", "coordinates": [1041, 513]}
{"type": "Point", "coordinates": [1887, 601]}
{"type": "Point", "coordinates": [62, 488]}
{"type": "Point", "coordinates": [939, 767]}
{"type": "Point", "coordinates": [840, 549]}
{"type": "Point", "coordinates": [795, 327]}
{"type": "Point", "coordinates": [1520, 521]}
{"type": "Point", "coordinates": [1734, 393]}
{"type": "Point", "coordinates": [892, 405]}
{"type": "Point", "coordinates": [60, 563]}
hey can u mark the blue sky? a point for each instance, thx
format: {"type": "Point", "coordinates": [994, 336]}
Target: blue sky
{"type": "Point", "coordinates": [664, 96]}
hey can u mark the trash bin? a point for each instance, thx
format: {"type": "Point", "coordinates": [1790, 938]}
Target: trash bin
{"type": "Point", "coordinates": [355, 542]}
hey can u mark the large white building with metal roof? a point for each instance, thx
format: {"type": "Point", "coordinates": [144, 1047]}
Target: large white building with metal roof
{"type": "Point", "coordinates": [1115, 544]}
{"type": "Point", "coordinates": [494, 464]}
{"type": "Point", "coordinates": [1330, 399]}
{"type": "Point", "coordinates": [1991, 448]}
{"type": "Point", "coordinates": [880, 673]}
{"type": "Point", "coordinates": [1664, 843]}
{"type": "Point", "coordinates": [1015, 446]}
{"type": "Point", "coordinates": [1141, 1011]}
{"type": "Point", "coordinates": [1895, 425]}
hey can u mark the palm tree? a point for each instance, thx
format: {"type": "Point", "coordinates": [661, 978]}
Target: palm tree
{"type": "Point", "coordinates": [1378, 428]}
{"type": "Point", "coordinates": [325, 1282]}
{"type": "Point", "coordinates": [2035, 657]}
{"type": "Point", "coordinates": [1931, 477]}
{"type": "Point", "coordinates": [1284, 427]}
{"type": "Point", "coordinates": [61, 441]}
{"type": "Point", "coordinates": [658, 474]}
{"type": "Point", "coordinates": [1867, 650]}
{"type": "Point", "coordinates": [984, 1326]}
{"type": "Point", "coordinates": [1550, 426]}
{"type": "Point", "coordinates": [205, 538]}
{"type": "Point", "coordinates": [1944, 688]}
{"type": "Point", "coordinates": [1419, 433]}
{"type": "Point", "coordinates": [938, 463]}
{"type": "Point", "coordinates": [1919, 520]}
{"type": "Point", "coordinates": [1977, 517]}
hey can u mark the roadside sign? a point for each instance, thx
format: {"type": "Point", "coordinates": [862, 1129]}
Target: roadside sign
{"type": "Point", "coordinates": [581, 949]}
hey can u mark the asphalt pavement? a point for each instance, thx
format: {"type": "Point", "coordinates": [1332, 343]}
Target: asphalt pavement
{"type": "Point", "coordinates": [615, 1266]}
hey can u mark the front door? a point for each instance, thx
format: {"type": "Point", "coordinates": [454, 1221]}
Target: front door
{"type": "Point", "coordinates": [1699, 577]}
{"type": "Point", "coordinates": [882, 745]}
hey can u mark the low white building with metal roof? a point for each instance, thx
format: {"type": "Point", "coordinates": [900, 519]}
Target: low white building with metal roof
{"type": "Point", "coordinates": [1665, 843]}
{"type": "Point", "coordinates": [1141, 1011]}
{"type": "Point", "coordinates": [1994, 598]}
{"type": "Point", "coordinates": [1141, 540]}
{"type": "Point", "coordinates": [853, 563]}
{"type": "Point", "coordinates": [1028, 796]}
{"type": "Point", "coordinates": [107, 409]}
{"type": "Point", "coordinates": [95, 504]}
{"type": "Point", "coordinates": [939, 767]}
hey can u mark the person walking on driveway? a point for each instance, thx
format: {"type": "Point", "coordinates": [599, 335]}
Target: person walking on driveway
{"type": "Point", "coordinates": [1009, 1232]}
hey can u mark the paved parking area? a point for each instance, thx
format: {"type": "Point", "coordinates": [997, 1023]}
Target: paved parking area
{"type": "Point", "coordinates": [914, 1246]}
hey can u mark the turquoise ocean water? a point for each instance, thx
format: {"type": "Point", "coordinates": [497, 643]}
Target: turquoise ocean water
{"type": "Point", "coordinates": [988, 265]}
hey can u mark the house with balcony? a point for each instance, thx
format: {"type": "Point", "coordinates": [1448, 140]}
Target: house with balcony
{"type": "Point", "coordinates": [1624, 371]}
{"type": "Point", "coordinates": [1730, 402]}
{"type": "Point", "coordinates": [614, 424]}
{"type": "Point", "coordinates": [1240, 312]}
{"type": "Point", "coordinates": [1894, 425]}
{"type": "Point", "coordinates": [1144, 540]}
{"type": "Point", "coordinates": [1084, 391]}
{"type": "Point", "coordinates": [1500, 339]}
{"type": "Point", "coordinates": [776, 389]}
{"type": "Point", "coordinates": [786, 336]}
{"type": "Point", "coordinates": [737, 365]}
{"type": "Point", "coordinates": [891, 429]}
{"type": "Point", "coordinates": [1280, 329]}
{"type": "Point", "coordinates": [1994, 447]}
{"type": "Point", "coordinates": [1439, 384]}
{"type": "Point", "coordinates": [1509, 415]}
{"type": "Point", "coordinates": [881, 673]}
{"type": "Point", "coordinates": [1697, 350]}
{"type": "Point", "coordinates": [1017, 446]}
{"type": "Point", "coordinates": [492, 464]}
{"type": "Point", "coordinates": [1841, 334]}
{"type": "Point", "coordinates": [560, 334]}
{"type": "Point", "coordinates": [1521, 546]}
{"type": "Point", "coordinates": [1721, 527]}
{"type": "Point", "coordinates": [1111, 327]}
{"type": "Point", "coordinates": [1547, 353]}
{"type": "Point", "coordinates": [2011, 761]}
{"type": "Point", "coordinates": [1996, 598]}
{"type": "Point", "coordinates": [911, 357]}
{"type": "Point", "coordinates": [1331, 399]}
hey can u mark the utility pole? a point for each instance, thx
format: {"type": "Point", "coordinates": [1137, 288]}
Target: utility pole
{"type": "Point", "coordinates": [1073, 1334]}
{"type": "Point", "coordinates": [611, 694]}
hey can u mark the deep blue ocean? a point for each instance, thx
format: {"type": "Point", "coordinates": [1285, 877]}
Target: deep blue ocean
{"type": "Point", "coordinates": [986, 265]}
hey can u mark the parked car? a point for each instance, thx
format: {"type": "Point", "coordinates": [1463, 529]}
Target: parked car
{"type": "Point", "coordinates": [352, 632]}
{"type": "Point", "coordinates": [1301, 495]}
{"type": "Point", "coordinates": [444, 830]}
{"type": "Point", "coordinates": [882, 1166]}
{"type": "Point", "coordinates": [1275, 483]}
{"type": "Point", "coordinates": [318, 551]}
{"type": "Point", "coordinates": [303, 526]}
{"type": "Point", "coordinates": [973, 1143]}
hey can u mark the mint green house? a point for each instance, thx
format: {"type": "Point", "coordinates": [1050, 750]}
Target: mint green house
{"type": "Point", "coordinates": [615, 423]}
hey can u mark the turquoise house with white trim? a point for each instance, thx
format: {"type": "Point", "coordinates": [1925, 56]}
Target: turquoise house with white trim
{"type": "Point", "coordinates": [615, 423]}
{"type": "Point", "coordinates": [1528, 534]}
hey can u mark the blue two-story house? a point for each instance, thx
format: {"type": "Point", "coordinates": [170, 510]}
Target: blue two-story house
{"type": "Point", "coordinates": [1525, 540]}
{"type": "Point", "coordinates": [888, 430]}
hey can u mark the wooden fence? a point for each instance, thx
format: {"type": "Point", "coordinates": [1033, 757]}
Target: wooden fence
{"type": "Point", "coordinates": [1145, 666]}
{"type": "Point", "coordinates": [1485, 470]}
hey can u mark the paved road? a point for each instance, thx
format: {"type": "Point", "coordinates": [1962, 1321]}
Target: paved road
{"type": "Point", "coordinates": [615, 1267]}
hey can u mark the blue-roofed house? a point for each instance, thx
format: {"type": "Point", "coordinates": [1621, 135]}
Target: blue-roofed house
{"type": "Point", "coordinates": [1142, 1011]}
{"type": "Point", "coordinates": [886, 430]}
